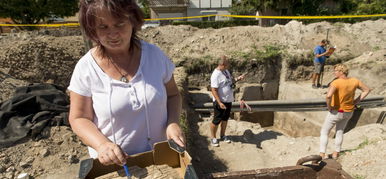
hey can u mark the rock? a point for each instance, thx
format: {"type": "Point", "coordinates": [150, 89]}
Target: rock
{"type": "Point", "coordinates": [10, 169]}
{"type": "Point", "coordinates": [6, 160]}
{"type": "Point", "coordinates": [44, 152]}
{"type": "Point", "coordinates": [23, 176]}
{"type": "Point", "coordinates": [9, 175]}
{"type": "Point", "coordinates": [26, 163]}
{"type": "Point", "coordinates": [72, 159]}
{"type": "Point", "coordinates": [308, 148]}
{"type": "Point", "coordinates": [38, 143]}
{"type": "Point", "coordinates": [2, 169]}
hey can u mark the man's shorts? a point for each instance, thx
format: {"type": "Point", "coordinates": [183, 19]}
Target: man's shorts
{"type": "Point", "coordinates": [221, 114]}
{"type": "Point", "coordinates": [319, 67]}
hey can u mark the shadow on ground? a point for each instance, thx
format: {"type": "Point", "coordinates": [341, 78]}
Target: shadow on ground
{"type": "Point", "coordinates": [203, 158]}
{"type": "Point", "coordinates": [251, 138]}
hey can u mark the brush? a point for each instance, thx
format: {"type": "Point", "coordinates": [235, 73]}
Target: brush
{"type": "Point", "coordinates": [127, 171]}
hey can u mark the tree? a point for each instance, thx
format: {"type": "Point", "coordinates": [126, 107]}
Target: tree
{"type": "Point", "coordinates": [370, 7]}
{"type": "Point", "coordinates": [34, 11]}
{"type": "Point", "coordinates": [310, 7]}
{"type": "Point", "coordinates": [246, 7]}
{"type": "Point", "coordinates": [144, 4]}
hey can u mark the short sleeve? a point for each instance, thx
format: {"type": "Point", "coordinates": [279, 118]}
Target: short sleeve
{"type": "Point", "coordinates": [359, 84]}
{"type": "Point", "coordinates": [317, 51]}
{"type": "Point", "coordinates": [169, 69]}
{"type": "Point", "coordinates": [214, 80]}
{"type": "Point", "coordinates": [80, 81]}
{"type": "Point", "coordinates": [333, 83]}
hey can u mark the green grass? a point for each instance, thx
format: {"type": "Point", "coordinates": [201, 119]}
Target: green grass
{"type": "Point", "coordinates": [237, 59]}
{"type": "Point", "coordinates": [356, 176]}
{"type": "Point", "coordinates": [199, 65]}
{"type": "Point", "coordinates": [307, 59]}
{"type": "Point", "coordinates": [184, 123]}
{"type": "Point", "coordinates": [268, 52]}
{"type": "Point", "coordinates": [363, 144]}
{"type": "Point", "coordinates": [360, 146]}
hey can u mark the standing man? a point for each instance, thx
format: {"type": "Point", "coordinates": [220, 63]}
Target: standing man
{"type": "Point", "coordinates": [221, 83]}
{"type": "Point", "coordinates": [340, 103]}
{"type": "Point", "coordinates": [319, 60]}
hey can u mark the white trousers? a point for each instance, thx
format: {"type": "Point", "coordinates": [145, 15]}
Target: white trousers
{"type": "Point", "coordinates": [334, 118]}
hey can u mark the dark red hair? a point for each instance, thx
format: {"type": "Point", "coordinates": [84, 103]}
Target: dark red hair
{"type": "Point", "coordinates": [120, 9]}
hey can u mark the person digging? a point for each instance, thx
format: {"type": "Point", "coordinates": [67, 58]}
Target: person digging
{"type": "Point", "coordinates": [321, 54]}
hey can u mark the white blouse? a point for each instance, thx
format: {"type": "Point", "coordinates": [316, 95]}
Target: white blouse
{"type": "Point", "coordinates": [133, 114]}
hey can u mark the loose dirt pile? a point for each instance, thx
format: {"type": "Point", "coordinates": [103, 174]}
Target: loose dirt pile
{"type": "Point", "coordinates": [351, 40]}
{"type": "Point", "coordinates": [38, 57]}
{"type": "Point", "coordinates": [57, 153]}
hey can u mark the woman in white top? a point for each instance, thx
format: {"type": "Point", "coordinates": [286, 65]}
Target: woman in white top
{"type": "Point", "coordinates": [123, 94]}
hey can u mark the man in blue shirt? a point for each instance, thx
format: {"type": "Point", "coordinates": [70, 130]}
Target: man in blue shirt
{"type": "Point", "coordinates": [320, 57]}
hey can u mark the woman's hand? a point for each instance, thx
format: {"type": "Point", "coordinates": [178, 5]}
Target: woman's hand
{"type": "Point", "coordinates": [174, 131]}
{"type": "Point", "coordinates": [110, 153]}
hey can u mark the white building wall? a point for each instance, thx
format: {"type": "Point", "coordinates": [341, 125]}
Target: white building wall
{"type": "Point", "coordinates": [194, 12]}
{"type": "Point", "coordinates": [194, 4]}
{"type": "Point", "coordinates": [204, 11]}
{"type": "Point", "coordinates": [205, 4]}
{"type": "Point", "coordinates": [216, 3]}
{"type": "Point", "coordinates": [227, 3]}
{"type": "Point", "coordinates": [168, 15]}
{"type": "Point", "coordinates": [210, 3]}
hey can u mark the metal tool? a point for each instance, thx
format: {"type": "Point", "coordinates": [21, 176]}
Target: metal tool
{"type": "Point", "coordinates": [174, 146]}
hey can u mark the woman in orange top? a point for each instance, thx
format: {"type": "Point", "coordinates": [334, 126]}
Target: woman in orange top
{"type": "Point", "coordinates": [340, 103]}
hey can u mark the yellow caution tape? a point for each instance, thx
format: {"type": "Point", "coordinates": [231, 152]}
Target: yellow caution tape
{"type": "Point", "coordinates": [235, 16]}
{"type": "Point", "coordinates": [274, 17]}
{"type": "Point", "coordinates": [305, 17]}
{"type": "Point", "coordinates": [41, 25]}
{"type": "Point", "coordinates": [175, 18]}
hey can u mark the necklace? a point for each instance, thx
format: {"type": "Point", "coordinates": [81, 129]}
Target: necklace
{"type": "Point", "coordinates": [123, 76]}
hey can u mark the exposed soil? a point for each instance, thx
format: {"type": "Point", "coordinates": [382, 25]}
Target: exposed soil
{"type": "Point", "coordinates": [150, 172]}
{"type": "Point", "coordinates": [51, 55]}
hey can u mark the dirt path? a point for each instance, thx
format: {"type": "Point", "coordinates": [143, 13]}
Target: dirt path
{"type": "Point", "coordinates": [254, 147]}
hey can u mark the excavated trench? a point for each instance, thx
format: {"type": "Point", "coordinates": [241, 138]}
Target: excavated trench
{"type": "Point", "coordinates": [262, 83]}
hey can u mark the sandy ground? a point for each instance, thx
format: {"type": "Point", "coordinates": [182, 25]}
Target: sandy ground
{"type": "Point", "coordinates": [36, 57]}
{"type": "Point", "coordinates": [253, 147]}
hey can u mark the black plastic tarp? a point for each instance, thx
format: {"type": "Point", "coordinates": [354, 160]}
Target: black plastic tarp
{"type": "Point", "coordinates": [30, 110]}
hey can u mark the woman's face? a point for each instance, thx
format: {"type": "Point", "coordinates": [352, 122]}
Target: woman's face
{"type": "Point", "coordinates": [337, 73]}
{"type": "Point", "coordinates": [113, 34]}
